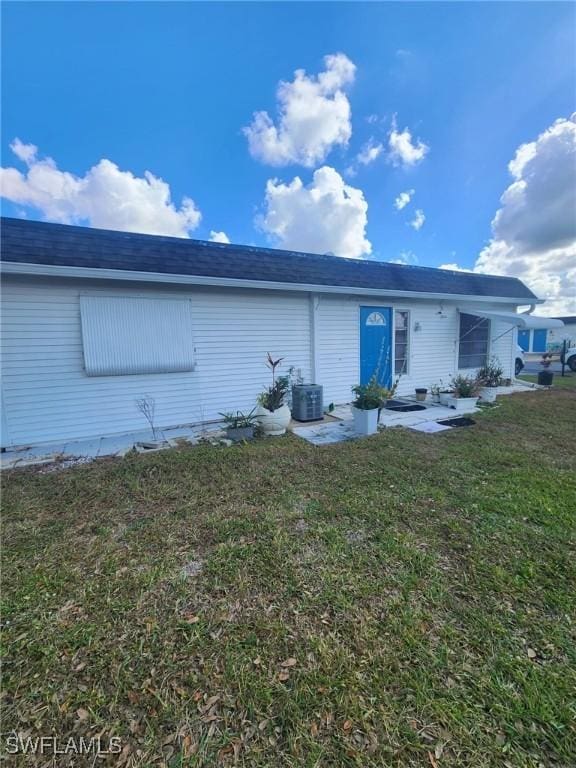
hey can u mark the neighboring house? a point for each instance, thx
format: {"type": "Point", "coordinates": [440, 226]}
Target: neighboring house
{"type": "Point", "coordinates": [94, 320]}
{"type": "Point", "coordinates": [533, 340]}
{"type": "Point", "coordinates": [544, 338]}
{"type": "Point", "coordinates": [556, 336]}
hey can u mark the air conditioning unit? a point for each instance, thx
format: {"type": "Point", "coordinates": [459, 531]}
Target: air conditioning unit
{"type": "Point", "coordinates": [307, 402]}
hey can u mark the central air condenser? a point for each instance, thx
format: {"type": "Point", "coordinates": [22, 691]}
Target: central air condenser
{"type": "Point", "coordinates": [307, 402]}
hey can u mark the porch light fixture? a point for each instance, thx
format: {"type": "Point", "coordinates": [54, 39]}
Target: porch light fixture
{"type": "Point", "coordinates": [441, 312]}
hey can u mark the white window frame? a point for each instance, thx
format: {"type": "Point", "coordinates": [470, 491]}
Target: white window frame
{"type": "Point", "coordinates": [408, 339]}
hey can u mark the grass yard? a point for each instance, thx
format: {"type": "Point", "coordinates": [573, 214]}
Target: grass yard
{"type": "Point", "coordinates": [568, 381]}
{"type": "Point", "coordinates": [404, 600]}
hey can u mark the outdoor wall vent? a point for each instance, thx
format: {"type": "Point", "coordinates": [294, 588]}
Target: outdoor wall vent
{"type": "Point", "coordinates": [307, 402]}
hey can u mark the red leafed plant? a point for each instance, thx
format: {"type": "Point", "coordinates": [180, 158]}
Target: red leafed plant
{"type": "Point", "coordinates": [273, 397]}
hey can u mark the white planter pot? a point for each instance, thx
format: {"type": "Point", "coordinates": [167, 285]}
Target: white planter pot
{"type": "Point", "coordinates": [274, 422]}
{"type": "Point", "coordinates": [445, 398]}
{"type": "Point", "coordinates": [365, 422]}
{"type": "Point", "coordinates": [488, 394]}
{"type": "Point", "coordinates": [463, 403]}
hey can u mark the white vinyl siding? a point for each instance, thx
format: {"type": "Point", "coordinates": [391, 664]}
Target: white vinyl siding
{"type": "Point", "coordinates": [125, 335]}
{"type": "Point", "coordinates": [48, 397]}
{"type": "Point", "coordinates": [432, 346]}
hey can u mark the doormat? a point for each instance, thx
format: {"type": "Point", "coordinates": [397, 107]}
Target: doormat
{"type": "Point", "coordinates": [460, 421]}
{"type": "Point", "coordinates": [430, 427]}
{"type": "Point", "coordinates": [405, 407]}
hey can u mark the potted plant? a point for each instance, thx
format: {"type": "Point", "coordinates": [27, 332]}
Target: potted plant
{"type": "Point", "coordinates": [445, 395]}
{"type": "Point", "coordinates": [435, 390]}
{"type": "Point", "coordinates": [489, 378]}
{"type": "Point", "coordinates": [545, 377]}
{"type": "Point", "coordinates": [369, 401]}
{"type": "Point", "coordinates": [240, 426]}
{"type": "Point", "coordinates": [273, 413]}
{"type": "Point", "coordinates": [465, 392]}
{"type": "Point", "coordinates": [421, 393]}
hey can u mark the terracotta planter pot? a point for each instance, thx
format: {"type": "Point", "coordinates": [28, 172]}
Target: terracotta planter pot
{"type": "Point", "coordinates": [274, 422]}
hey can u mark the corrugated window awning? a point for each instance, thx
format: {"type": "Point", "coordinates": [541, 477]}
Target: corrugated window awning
{"type": "Point", "coordinates": [513, 318]}
{"type": "Point", "coordinates": [125, 335]}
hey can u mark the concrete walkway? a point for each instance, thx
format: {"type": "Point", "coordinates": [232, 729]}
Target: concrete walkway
{"type": "Point", "coordinates": [83, 451]}
{"type": "Point", "coordinates": [422, 421]}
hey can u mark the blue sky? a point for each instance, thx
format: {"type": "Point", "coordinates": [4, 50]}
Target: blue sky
{"type": "Point", "coordinates": [168, 88]}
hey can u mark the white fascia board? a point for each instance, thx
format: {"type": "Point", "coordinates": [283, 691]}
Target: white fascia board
{"type": "Point", "coordinates": [50, 270]}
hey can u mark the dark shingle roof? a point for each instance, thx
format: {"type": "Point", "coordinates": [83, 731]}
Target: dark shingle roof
{"type": "Point", "coordinates": [37, 242]}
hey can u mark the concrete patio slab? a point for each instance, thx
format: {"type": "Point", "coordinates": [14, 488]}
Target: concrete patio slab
{"type": "Point", "coordinates": [113, 445]}
{"type": "Point", "coordinates": [327, 434]}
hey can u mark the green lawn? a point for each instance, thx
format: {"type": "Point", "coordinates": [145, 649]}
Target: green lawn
{"type": "Point", "coordinates": [568, 381]}
{"type": "Point", "coordinates": [403, 600]}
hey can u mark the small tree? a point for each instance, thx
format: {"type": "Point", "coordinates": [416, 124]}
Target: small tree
{"type": "Point", "coordinates": [147, 407]}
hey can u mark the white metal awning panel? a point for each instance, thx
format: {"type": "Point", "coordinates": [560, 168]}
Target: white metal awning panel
{"type": "Point", "coordinates": [514, 318]}
{"type": "Point", "coordinates": [125, 335]}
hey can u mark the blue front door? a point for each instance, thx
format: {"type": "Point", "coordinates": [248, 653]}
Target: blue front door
{"type": "Point", "coordinates": [539, 340]}
{"type": "Point", "coordinates": [524, 340]}
{"type": "Point", "coordinates": [376, 344]}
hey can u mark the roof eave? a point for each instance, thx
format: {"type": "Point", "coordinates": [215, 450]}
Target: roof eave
{"type": "Point", "coordinates": [51, 270]}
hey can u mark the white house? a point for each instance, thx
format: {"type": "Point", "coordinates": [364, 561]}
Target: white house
{"type": "Point", "coordinates": [92, 320]}
{"type": "Point", "coordinates": [556, 336]}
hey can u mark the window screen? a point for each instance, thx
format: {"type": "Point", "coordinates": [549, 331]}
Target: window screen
{"type": "Point", "coordinates": [474, 337]}
{"type": "Point", "coordinates": [127, 335]}
{"type": "Point", "coordinates": [400, 342]}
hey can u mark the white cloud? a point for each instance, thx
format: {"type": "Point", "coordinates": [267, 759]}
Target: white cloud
{"type": "Point", "coordinates": [25, 152]}
{"type": "Point", "coordinates": [219, 237]}
{"type": "Point", "coordinates": [327, 216]}
{"type": "Point", "coordinates": [406, 257]}
{"type": "Point", "coordinates": [403, 199]}
{"type": "Point", "coordinates": [104, 197]}
{"type": "Point", "coordinates": [403, 151]}
{"type": "Point", "coordinates": [455, 268]}
{"type": "Point", "coordinates": [418, 220]}
{"type": "Point", "coordinates": [534, 230]}
{"type": "Point", "coordinates": [313, 117]}
{"type": "Point", "coordinates": [369, 152]}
